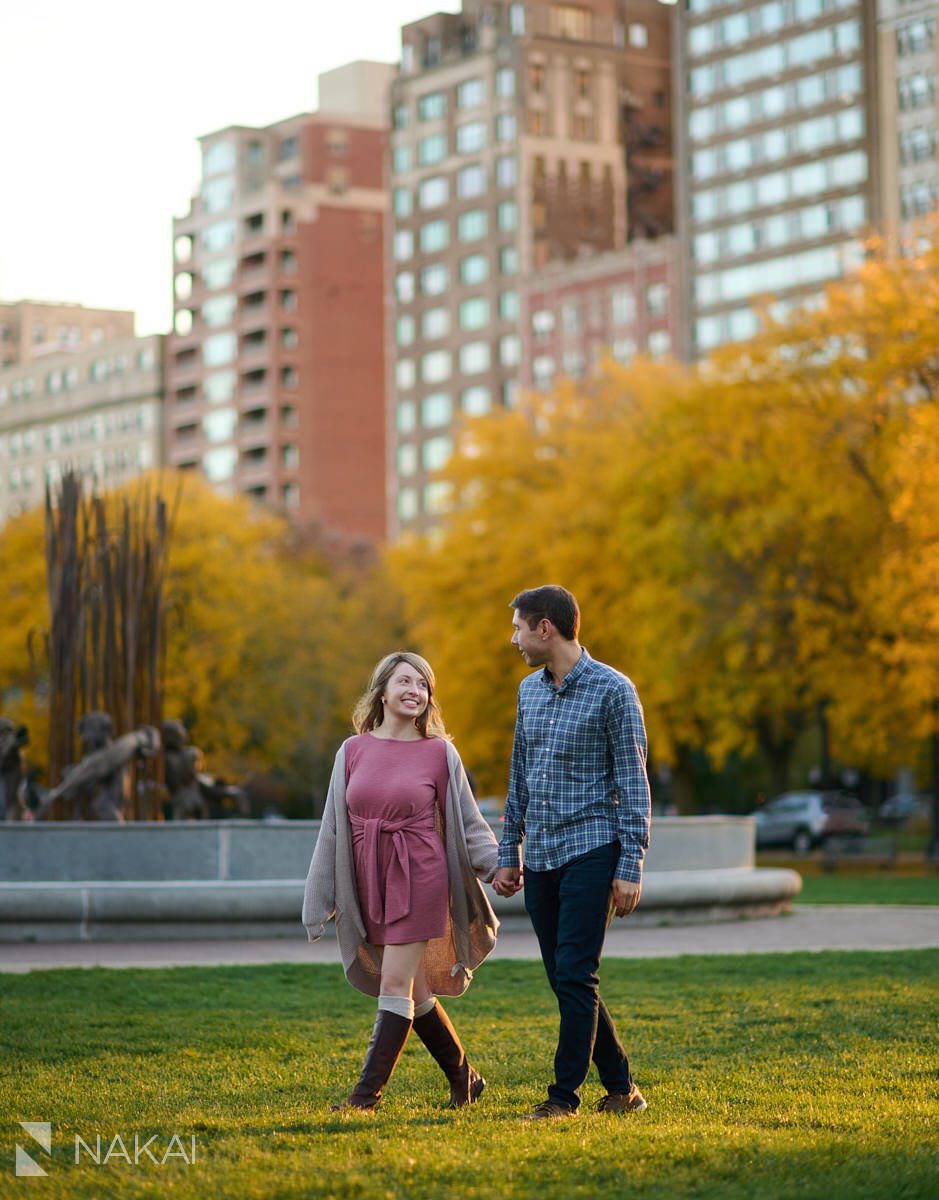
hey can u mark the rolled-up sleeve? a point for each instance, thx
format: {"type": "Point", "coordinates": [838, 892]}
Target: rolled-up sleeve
{"type": "Point", "coordinates": [626, 738]}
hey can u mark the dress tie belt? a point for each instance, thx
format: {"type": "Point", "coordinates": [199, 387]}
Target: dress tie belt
{"type": "Point", "coordinates": [389, 898]}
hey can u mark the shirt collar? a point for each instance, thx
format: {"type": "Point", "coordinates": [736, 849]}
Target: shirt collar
{"type": "Point", "coordinates": [571, 677]}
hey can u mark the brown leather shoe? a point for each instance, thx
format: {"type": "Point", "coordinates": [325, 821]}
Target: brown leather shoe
{"type": "Point", "coordinates": [547, 1110]}
{"type": "Point", "coordinates": [621, 1102]}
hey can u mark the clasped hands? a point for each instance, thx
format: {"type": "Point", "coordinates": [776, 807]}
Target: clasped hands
{"type": "Point", "coordinates": [508, 880]}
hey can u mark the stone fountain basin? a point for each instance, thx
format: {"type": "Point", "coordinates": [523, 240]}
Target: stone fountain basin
{"type": "Point", "coordinates": [75, 881]}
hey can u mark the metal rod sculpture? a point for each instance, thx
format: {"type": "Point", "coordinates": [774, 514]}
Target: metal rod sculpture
{"type": "Point", "coordinates": [105, 647]}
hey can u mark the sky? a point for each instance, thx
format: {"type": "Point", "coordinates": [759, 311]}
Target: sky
{"type": "Point", "coordinates": [103, 102]}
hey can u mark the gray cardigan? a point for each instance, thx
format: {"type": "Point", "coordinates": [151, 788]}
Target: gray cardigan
{"type": "Point", "coordinates": [472, 851]}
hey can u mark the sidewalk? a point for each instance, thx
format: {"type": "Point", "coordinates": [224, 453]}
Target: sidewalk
{"type": "Point", "coordinates": [807, 928]}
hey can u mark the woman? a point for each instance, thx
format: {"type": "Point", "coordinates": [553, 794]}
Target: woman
{"type": "Point", "coordinates": [400, 852]}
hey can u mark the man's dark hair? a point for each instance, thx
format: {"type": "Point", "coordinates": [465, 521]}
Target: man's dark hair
{"type": "Point", "coordinates": [551, 601]}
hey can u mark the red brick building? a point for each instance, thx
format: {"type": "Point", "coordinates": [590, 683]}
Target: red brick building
{"type": "Point", "coordinates": [276, 371]}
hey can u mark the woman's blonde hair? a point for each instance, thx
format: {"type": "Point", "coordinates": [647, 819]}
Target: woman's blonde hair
{"type": "Point", "coordinates": [369, 712]}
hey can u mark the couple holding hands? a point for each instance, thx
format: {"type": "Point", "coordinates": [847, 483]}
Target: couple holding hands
{"type": "Point", "coordinates": [402, 848]}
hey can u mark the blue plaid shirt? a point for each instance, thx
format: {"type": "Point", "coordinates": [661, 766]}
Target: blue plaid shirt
{"type": "Point", "coordinates": [578, 777]}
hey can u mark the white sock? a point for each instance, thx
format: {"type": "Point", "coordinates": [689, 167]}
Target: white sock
{"type": "Point", "coordinates": [424, 1007]}
{"type": "Point", "coordinates": [402, 1005]}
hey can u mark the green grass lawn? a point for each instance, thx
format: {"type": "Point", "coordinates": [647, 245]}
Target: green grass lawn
{"type": "Point", "coordinates": [769, 1076]}
{"type": "Point", "coordinates": [869, 887]}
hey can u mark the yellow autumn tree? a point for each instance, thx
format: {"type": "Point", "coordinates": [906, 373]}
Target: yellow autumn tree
{"type": "Point", "coordinates": [268, 645]}
{"type": "Point", "coordinates": [725, 530]}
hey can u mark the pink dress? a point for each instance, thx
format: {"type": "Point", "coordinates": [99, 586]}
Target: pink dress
{"type": "Point", "coordinates": [396, 796]}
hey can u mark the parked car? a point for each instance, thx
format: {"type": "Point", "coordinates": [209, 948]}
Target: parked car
{"type": "Point", "coordinates": [900, 808]}
{"type": "Point", "coordinates": [802, 820]}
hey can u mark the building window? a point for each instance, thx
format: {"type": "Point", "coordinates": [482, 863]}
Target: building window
{"type": "Point", "coordinates": [289, 339]}
{"type": "Point", "coordinates": [289, 148]}
{"type": "Point", "coordinates": [505, 127]}
{"type": "Point", "coordinates": [220, 464]}
{"type": "Point", "coordinates": [542, 369]}
{"type": "Point", "coordinates": [508, 306]}
{"type": "Point", "coordinates": [505, 82]}
{"type": "Point", "coordinates": [476, 401]}
{"type": "Point", "coordinates": [288, 300]}
{"type": "Point", "coordinates": [660, 343]}
{"type": "Point", "coordinates": [622, 306]}
{"type": "Point", "coordinates": [470, 94]}
{"type": "Point", "coordinates": [542, 322]}
{"type": "Point", "coordinates": [218, 274]}
{"type": "Point", "coordinates": [537, 123]}
{"type": "Point", "coordinates": [406, 416]}
{"type": "Point", "coordinates": [407, 504]}
{"type": "Point", "coordinates": [432, 149]}
{"type": "Point", "coordinates": [508, 215]}
{"type": "Point", "coordinates": [471, 137]}
{"type": "Point", "coordinates": [508, 260]}
{"type": "Point", "coordinates": [569, 21]}
{"type": "Point", "coordinates": [218, 349]}
{"type": "Point", "coordinates": [220, 425]}
{"type": "Point", "coordinates": [403, 244]}
{"type": "Point", "coordinates": [400, 117]}
{"type": "Point", "coordinates": [400, 159]}
{"type": "Point", "coordinates": [218, 157]}
{"type": "Point", "coordinates": [509, 350]}
{"type": "Point", "coordinates": [404, 287]}
{"type": "Point", "coordinates": [474, 269]}
{"type": "Point", "coordinates": [472, 224]}
{"type": "Point", "coordinates": [433, 192]}
{"type": "Point", "coordinates": [474, 313]}
{"type": "Point", "coordinates": [289, 378]}
{"type": "Point", "coordinates": [288, 262]}
{"type": "Point", "coordinates": [405, 373]}
{"type": "Point", "coordinates": [517, 19]}
{"type": "Point", "coordinates": [436, 366]}
{"type": "Point", "coordinates": [405, 330]}
{"type": "Point", "coordinates": [471, 181]}
{"type": "Point", "coordinates": [638, 36]}
{"type": "Point", "coordinates": [435, 323]}
{"type": "Point", "coordinates": [657, 299]}
{"type": "Point", "coordinates": [474, 358]}
{"type": "Point", "coordinates": [219, 236]}
{"type": "Point", "coordinates": [506, 171]}
{"type": "Point", "coordinates": [436, 410]}
{"type": "Point", "coordinates": [570, 318]}
{"type": "Point", "coordinates": [402, 202]}
{"type": "Point", "coordinates": [407, 459]}
{"type": "Point", "coordinates": [435, 452]}
{"type": "Point", "coordinates": [432, 107]}
{"type": "Point", "coordinates": [435, 280]}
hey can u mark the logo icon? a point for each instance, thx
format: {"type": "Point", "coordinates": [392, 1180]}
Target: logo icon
{"type": "Point", "coordinates": [41, 1132]}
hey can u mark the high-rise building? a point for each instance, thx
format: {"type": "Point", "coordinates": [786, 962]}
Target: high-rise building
{"type": "Point", "coordinates": [908, 67]}
{"type": "Point", "coordinates": [30, 329]}
{"type": "Point", "coordinates": [777, 137]}
{"type": "Point", "coordinates": [617, 304]}
{"type": "Point", "coordinates": [96, 409]}
{"type": "Point", "coordinates": [277, 362]}
{"type": "Point", "coordinates": [523, 134]}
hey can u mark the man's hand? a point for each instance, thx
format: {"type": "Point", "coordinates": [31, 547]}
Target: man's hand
{"type": "Point", "coordinates": [625, 896]}
{"type": "Point", "coordinates": [507, 881]}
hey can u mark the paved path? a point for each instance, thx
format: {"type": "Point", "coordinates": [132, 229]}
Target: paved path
{"type": "Point", "coordinates": [806, 928]}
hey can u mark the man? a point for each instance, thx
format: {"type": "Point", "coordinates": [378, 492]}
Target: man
{"type": "Point", "coordinates": [579, 795]}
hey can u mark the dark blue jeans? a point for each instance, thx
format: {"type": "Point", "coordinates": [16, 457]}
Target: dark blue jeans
{"type": "Point", "coordinates": [570, 910]}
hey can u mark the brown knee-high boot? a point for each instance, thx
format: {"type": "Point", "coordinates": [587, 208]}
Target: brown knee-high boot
{"type": "Point", "coordinates": [438, 1035]}
{"type": "Point", "coordinates": [388, 1037]}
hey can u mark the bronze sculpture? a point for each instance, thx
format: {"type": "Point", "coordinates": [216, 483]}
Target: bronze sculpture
{"type": "Point", "coordinates": [12, 774]}
{"type": "Point", "coordinates": [99, 785]}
